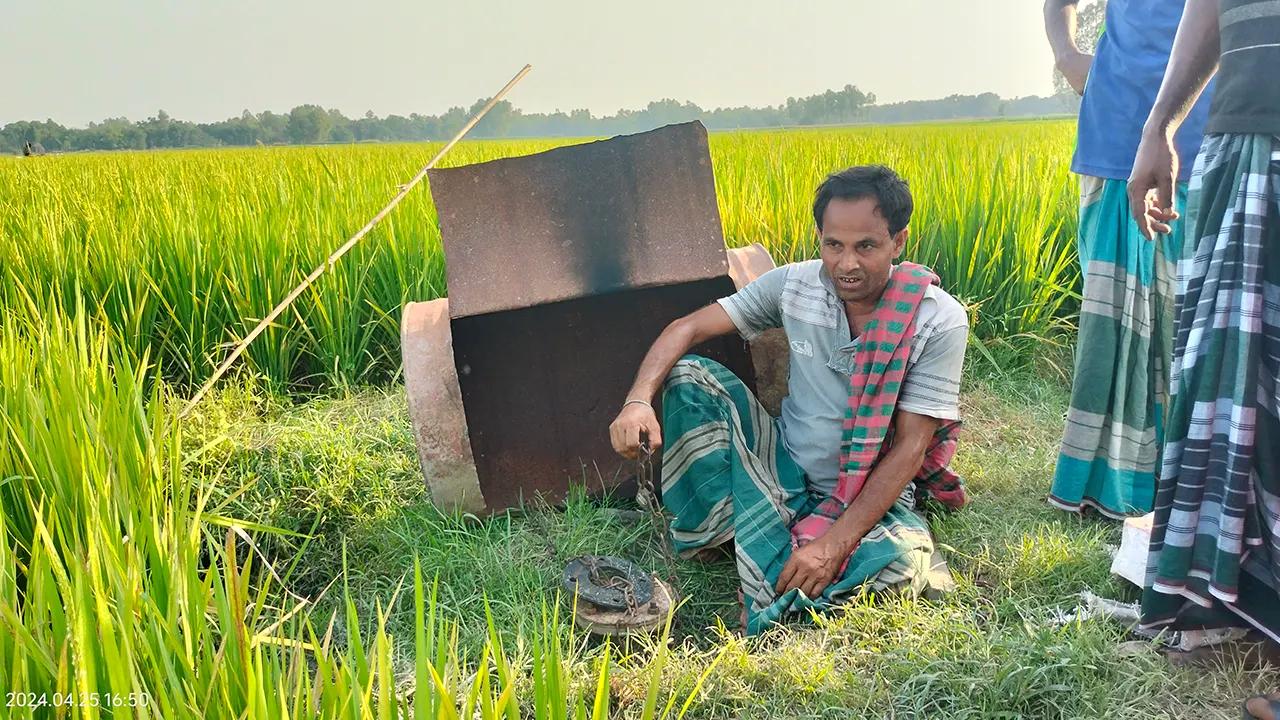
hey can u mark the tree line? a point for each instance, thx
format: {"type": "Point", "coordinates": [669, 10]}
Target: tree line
{"type": "Point", "coordinates": [312, 124]}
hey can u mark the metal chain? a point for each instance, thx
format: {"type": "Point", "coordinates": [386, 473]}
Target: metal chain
{"type": "Point", "coordinates": [648, 497]}
{"type": "Point", "coordinates": [613, 582]}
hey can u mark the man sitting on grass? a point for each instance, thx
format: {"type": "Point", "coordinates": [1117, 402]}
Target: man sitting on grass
{"type": "Point", "coordinates": [818, 502]}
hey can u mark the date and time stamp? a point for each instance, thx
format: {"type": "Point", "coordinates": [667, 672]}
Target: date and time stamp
{"type": "Point", "coordinates": [71, 699]}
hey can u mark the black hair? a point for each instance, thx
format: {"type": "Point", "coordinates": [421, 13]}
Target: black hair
{"type": "Point", "coordinates": [892, 194]}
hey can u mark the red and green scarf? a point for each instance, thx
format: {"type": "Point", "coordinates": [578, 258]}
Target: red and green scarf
{"type": "Point", "coordinates": [879, 367]}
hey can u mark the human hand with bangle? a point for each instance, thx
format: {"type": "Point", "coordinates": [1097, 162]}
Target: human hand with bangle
{"type": "Point", "coordinates": [637, 416]}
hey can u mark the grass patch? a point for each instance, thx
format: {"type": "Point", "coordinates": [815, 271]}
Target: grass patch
{"type": "Point", "coordinates": [346, 465]}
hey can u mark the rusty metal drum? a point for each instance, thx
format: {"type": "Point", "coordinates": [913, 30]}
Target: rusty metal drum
{"type": "Point", "coordinates": [562, 269]}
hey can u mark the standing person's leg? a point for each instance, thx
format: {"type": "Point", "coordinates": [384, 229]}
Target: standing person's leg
{"type": "Point", "coordinates": [1110, 444]}
{"type": "Point", "coordinates": [1215, 544]}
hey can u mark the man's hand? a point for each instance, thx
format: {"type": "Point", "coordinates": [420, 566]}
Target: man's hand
{"type": "Point", "coordinates": [625, 431]}
{"type": "Point", "coordinates": [1151, 184]}
{"type": "Point", "coordinates": [1075, 68]}
{"type": "Point", "coordinates": [697, 327]}
{"type": "Point", "coordinates": [811, 568]}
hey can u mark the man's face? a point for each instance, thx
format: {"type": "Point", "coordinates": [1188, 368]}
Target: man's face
{"type": "Point", "coordinates": [857, 249]}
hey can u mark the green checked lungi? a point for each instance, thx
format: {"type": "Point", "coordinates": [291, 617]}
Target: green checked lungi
{"type": "Point", "coordinates": [726, 475]}
{"type": "Point", "coordinates": [1215, 540]}
{"type": "Point", "coordinates": [1110, 445]}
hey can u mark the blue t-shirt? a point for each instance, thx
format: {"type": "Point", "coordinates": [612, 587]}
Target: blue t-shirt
{"type": "Point", "coordinates": [1127, 70]}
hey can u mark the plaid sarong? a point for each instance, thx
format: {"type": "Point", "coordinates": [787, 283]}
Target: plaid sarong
{"type": "Point", "coordinates": [1114, 426]}
{"type": "Point", "coordinates": [1215, 541]}
{"type": "Point", "coordinates": [726, 475]}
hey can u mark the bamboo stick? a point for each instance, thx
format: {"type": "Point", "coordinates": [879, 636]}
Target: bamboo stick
{"type": "Point", "coordinates": [332, 259]}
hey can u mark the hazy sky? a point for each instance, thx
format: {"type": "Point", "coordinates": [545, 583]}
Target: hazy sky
{"type": "Point", "coordinates": [206, 60]}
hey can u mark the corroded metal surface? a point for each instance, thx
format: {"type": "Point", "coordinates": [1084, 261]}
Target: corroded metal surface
{"type": "Point", "coordinates": [562, 267]}
{"type": "Point", "coordinates": [542, 384]}
{"type": "Point", "coordinates": [436, 408]}
{"type": "Point", "coordinates": [642, 620]}
{"type": "Point", "coordinates": [770, 353]}
{"type": "Point", "coordinates": [585, 220]}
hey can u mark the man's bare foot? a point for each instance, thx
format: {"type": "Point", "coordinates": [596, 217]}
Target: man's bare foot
{"type": "Point", "coordinates": [715, 553]}
{"type": "Point", "coordinates": [1263, 707]}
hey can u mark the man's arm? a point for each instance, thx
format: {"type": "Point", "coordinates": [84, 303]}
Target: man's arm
{"type": "Point", "coordinates": [1191, 65]}
{"type": "Point", "coordinates": [929, 395]}
{"type": "Point", "coordinates": [899, 466]}
{"type": "Point", "coordinates": [812, 567]}
{"type": "Point", "coordinates": [1060, 26]}
{"type": "Point", "coordinates": [749, 312]}
{"type": "Point", "coordinates": [674, 342]}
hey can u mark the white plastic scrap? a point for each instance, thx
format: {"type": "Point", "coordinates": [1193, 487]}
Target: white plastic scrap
{"type": "Point", "coordinates": [1129, 561]}
{"type": "Point", "coordinates": [1092, 606]}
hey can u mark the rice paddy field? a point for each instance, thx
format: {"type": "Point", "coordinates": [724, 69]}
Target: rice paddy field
{"type": "Point", "coordinates": [274, 555]}
{"type": "Point", "coordinates": [182, 252]}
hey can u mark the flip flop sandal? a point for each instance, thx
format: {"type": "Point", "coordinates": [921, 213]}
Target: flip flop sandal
{"type": "Point", "coordinates": [1272, 704]}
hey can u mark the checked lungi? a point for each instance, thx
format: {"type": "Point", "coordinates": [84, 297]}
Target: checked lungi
{"type": "Point", "coordinates": [726, 475]}
{"type": "Point", "coordinates": [1215, 543]}
{"type": "Point", "coordinates": [1110, 444]}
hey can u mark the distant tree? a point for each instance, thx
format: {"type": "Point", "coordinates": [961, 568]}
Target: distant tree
{"type": "Point", "coordinates": [15, 136]}
{"type": "Point", "coordinates": [244, 130]}
{"type": "Point", "coordinates": [831, 107]}
{"type": "Point", "coordinates": [162, 131]}
{"type": "Point", "coordinates": [426, 127]}
{"type": "Point", "coordinates": [274, 127]}
{"type": "Point", "coordinates": [401, 129]}
{"type": "Point", "coordinates": [309, 124]}
{"type": "Point", "coordinates": [341, 134]}
{"type": "Point", "coordinates": [339, 128]}
{"type": "Point", "coordinates": [1089, 25]}
{"type": "Point", "coordinates": [453, 121]}
{"type": "Point", "coordinates": [668, 111]}
{"type": "Point", "coordinates": [111, 134]}
{"type": "Point", "coordinates": [312, 123]}
{"type": "Point", "coordinates": [495, 123]}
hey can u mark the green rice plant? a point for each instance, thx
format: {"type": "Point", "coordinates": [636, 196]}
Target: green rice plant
{"type": "Point", "coordinates": [994, 208]}
{"type": "Point", "coordinates": [183, 252]}
{"type": "Point", "coordinates": [125, 590]}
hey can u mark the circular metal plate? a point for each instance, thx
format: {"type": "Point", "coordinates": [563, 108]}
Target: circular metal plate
{"type": "Point", "coordinates": [645, 619]}
{"type": "Point", "coordinates": [602, 580]}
